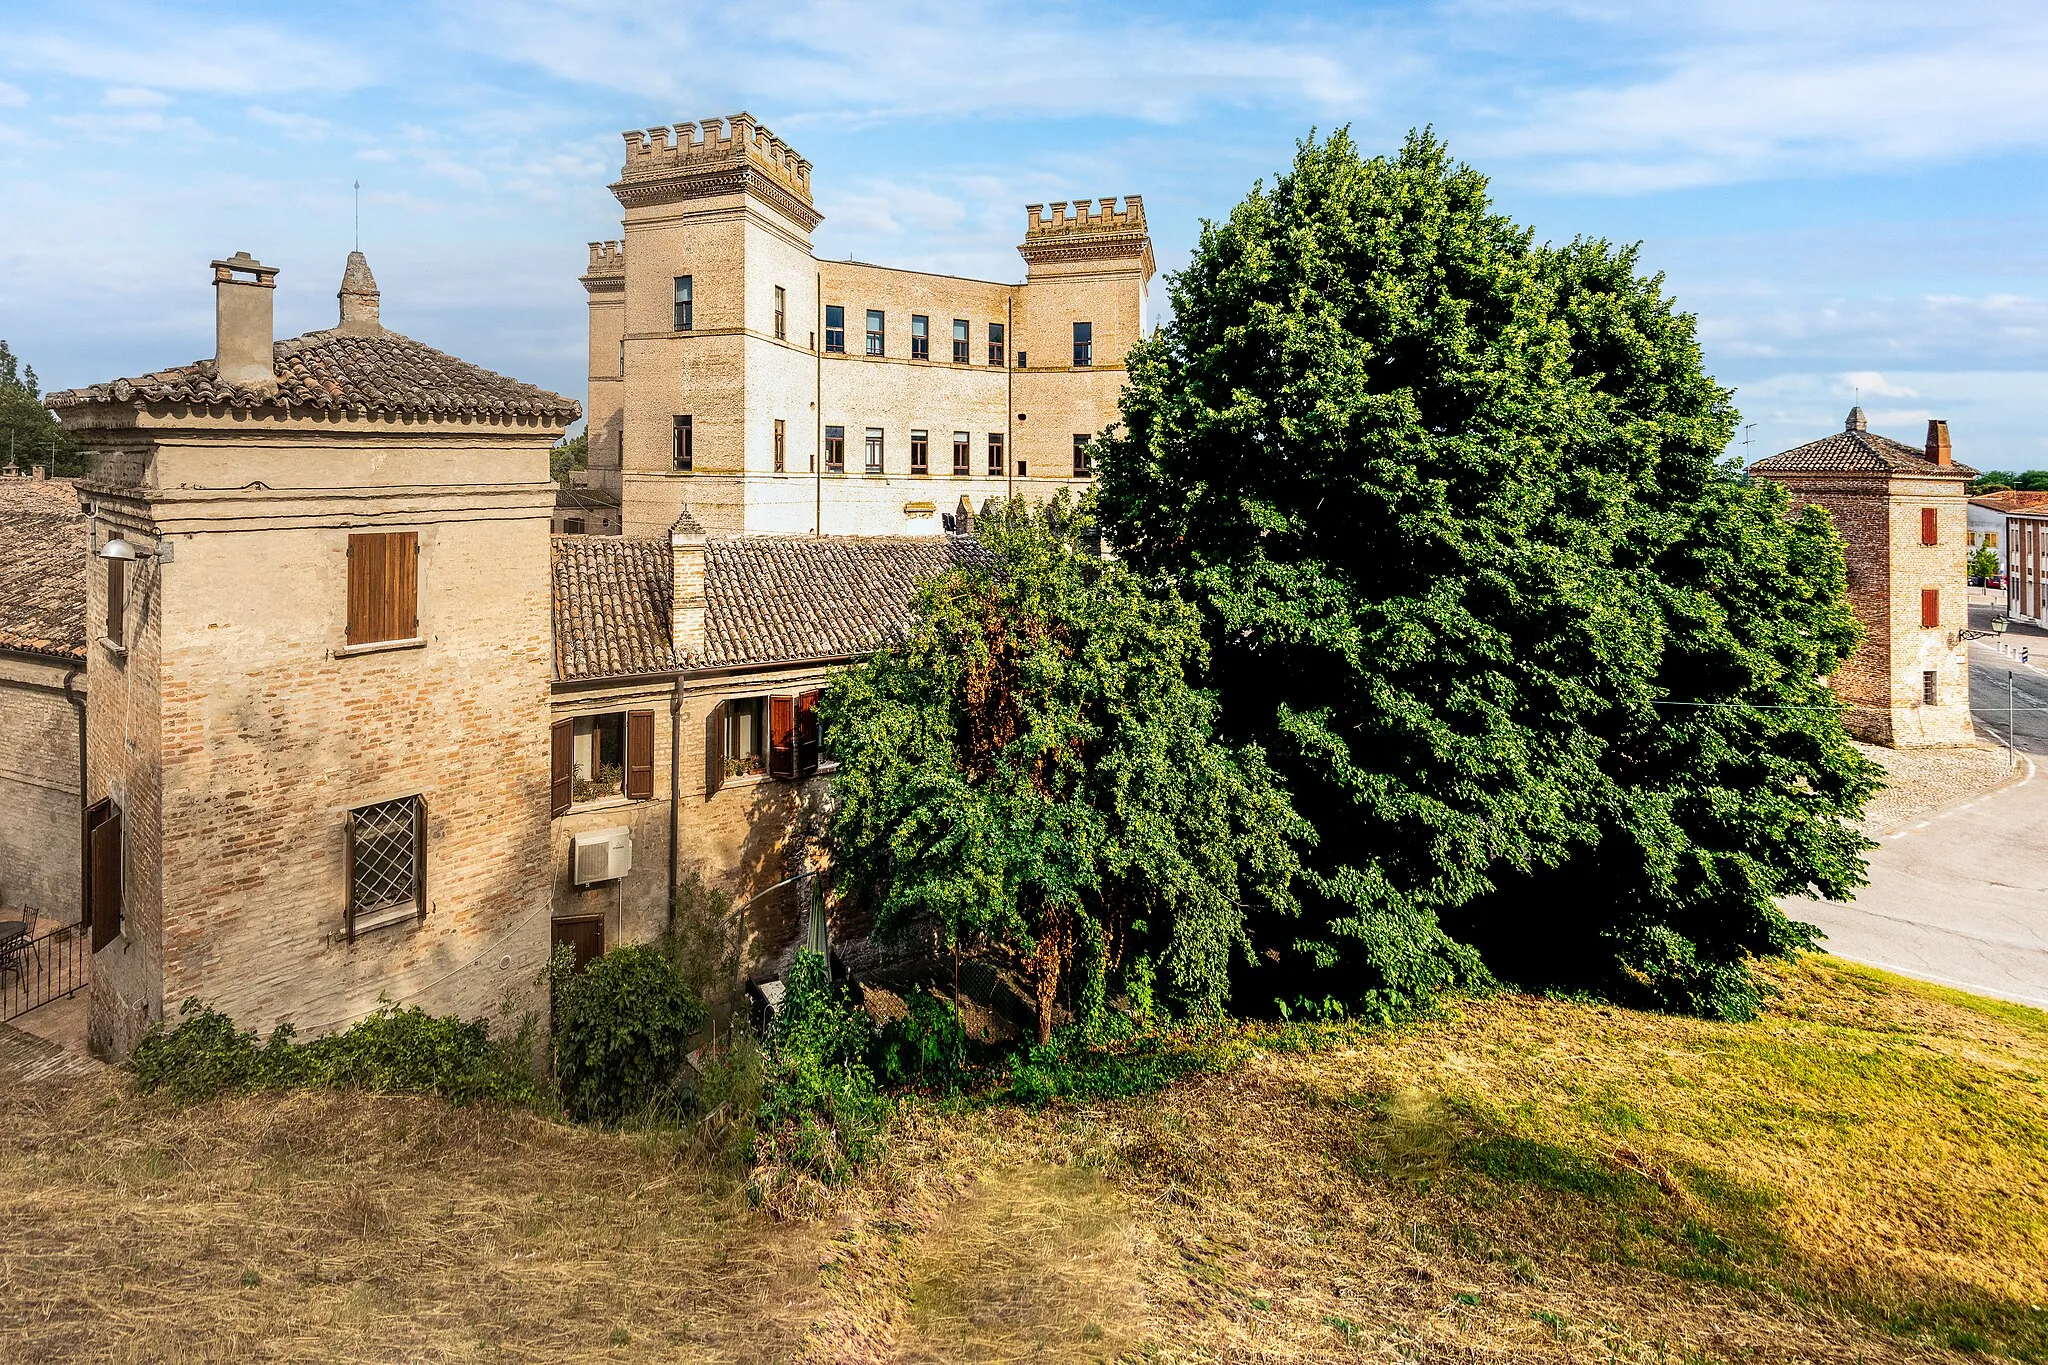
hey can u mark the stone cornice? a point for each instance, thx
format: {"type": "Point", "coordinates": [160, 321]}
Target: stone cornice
{"type": "Point", "coordinates": [1120, 246]}
{"type": "Point", "coordinates": [671, 187]}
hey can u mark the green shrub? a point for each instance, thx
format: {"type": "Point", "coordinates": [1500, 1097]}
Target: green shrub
{"type": "Point", "coordinates": [394, 1049]}
{"type": "Point", "coordinates": [928, 1044]}
{"type": "Point", "coordinates": [820, 1112]}
{"type": "Point", "coordinates": [622, 1030]}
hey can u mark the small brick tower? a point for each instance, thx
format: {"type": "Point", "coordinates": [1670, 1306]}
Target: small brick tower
{"type": "Point", "coordinates": [1904, 512]}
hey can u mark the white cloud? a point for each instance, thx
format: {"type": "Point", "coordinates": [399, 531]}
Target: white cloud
{"type": "Point", "coordinates": [228, 59]}
{"type": "Point", "coordinates": [134, 97]}
{"type": "Point", "coordinates": [1875, 384]}
{"type": "Point", "coordinates": [12, 96]}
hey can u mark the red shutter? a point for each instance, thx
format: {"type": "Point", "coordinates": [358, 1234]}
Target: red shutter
{"type": "Point", "coordinates": [561, 766]}
{"type": "Point", "coordinates": [1930, 606]}
{"type": "Point", "coordinates": [807, 734]}
{"type": "Point", "coordinates": [1930, 527]}
{"type": "Point", "coordinates": [782, 737]}
{"type": "Point", "coordinates": [640, 755]}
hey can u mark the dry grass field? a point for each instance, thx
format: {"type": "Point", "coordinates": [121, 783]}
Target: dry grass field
{"type": "Point", "coordinates": [1860, 1176]}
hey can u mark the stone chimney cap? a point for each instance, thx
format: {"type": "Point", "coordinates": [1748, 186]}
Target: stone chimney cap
{"type": "Point", "coordinates": [242, 263]}
{"type": "Point", "coordinates": [1857, 421]}
{"type": "Point", "coordinates": [686, 526]}
{"type": "Point", "coordinates": [358, 295]}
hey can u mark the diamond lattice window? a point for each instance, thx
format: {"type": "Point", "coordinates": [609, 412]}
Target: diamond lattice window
{"type": "Point", "coordinates": [384, 861]}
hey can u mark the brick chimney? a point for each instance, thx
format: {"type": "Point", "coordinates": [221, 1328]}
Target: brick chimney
{"type": "Point", "coordinates": [687, 547]}
{"type": "Point", "coordinates": [242, 320]}
{"type": "Point", "coordinates": [1937, 444]}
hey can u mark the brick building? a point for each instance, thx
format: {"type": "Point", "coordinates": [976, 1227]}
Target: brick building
{"type": "Point", "coordinates": [2026, 564]}
{"type": "Point", "coordinates": [356, 726]}
{"type": "Point", "coordinates": [1904, 512]}
{"type": "Point", "coordinates": [732, 370]}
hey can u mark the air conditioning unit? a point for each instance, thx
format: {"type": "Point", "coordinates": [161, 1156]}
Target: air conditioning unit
{"type": "Point", "coordinates": [600, 855]}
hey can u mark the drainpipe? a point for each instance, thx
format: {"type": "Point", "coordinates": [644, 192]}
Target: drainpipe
{"type": "Point", "coordinates": [675, 786]}
{"type": "Point", "coordinates": [818, 414]}
{"type": "Point", "coordinates": [78, 705]}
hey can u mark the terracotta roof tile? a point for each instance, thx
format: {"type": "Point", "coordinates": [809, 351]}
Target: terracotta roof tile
{"type": "Point", "coordinates": [1855, 450]}
{"type": "Point", "coordinates": [2022, 500]}
{"type": "Point", "coordinates": [611, 607]}
{"type": "Point", "coordinates": [42, 568]}
{"type": "Point", "coordinates": [366, 371]}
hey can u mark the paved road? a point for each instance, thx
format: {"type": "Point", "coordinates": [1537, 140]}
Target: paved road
{"type": "Point", "coordinates": [1961, 898]}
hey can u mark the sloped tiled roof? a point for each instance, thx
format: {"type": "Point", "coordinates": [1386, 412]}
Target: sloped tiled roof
{"type": "Point", "coordinates": [367, 371]}
{"type": "Point", "coordinates": [776, 600]}
{"type": "Point", "coordinates": [2029, 501]}
{"type": "Point", "coordinates": [612, 607]}
{"type": "Point", "coordinates": [768, 599]}
{"type": "Point", "coordinates": [42, 568]}
{"type": "Point", "coordinates": [1856, 450]}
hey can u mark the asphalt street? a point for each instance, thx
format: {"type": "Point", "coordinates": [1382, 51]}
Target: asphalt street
{"type": "Point", "coordinates": [1961, 896]}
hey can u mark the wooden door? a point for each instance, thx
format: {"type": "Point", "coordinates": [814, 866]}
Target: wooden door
{"type": "Point", "coordinates": [584, 935]}
{"type": "Point", "coordinates": [103, 900]}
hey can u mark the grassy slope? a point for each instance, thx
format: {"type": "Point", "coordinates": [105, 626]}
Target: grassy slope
{"type": "Point", "coordinates": [1863, 1175]}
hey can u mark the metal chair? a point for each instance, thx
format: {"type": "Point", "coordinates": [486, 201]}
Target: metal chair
{"type": "Point", "coordinates": [11, 950]}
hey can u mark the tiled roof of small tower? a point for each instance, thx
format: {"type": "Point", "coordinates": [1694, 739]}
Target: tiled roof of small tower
{"type": "Point", "coordinates": [1856, 449]}
{"type": "Point", "coordinates": [357, 367]}
{"type": "Point", "coordinates": [768, 599]}
{"type": "Point", "coordinates": [612, 600]}
{"type": "Point", "coordinates": [42, 568]}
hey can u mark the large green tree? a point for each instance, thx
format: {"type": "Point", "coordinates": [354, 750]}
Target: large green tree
{"type": "Point", "coordinates": [1546, 677]}
{"type": "Point", "coordinates": [29, 434]}
{"type": "Point", "coordinates": [1035, 771]}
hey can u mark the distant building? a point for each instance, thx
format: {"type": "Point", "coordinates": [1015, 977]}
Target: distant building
{"type": "Point", "coordinates": [732, 370]}
{"type": "Point", "coordinates": [1904, 512]}
{"type": "Point", "coordinates": [586, 511]}
{"type": "Point", "coordinates": [2026, 564]}
{"type": "Point", "coordinates": [1988, 512]}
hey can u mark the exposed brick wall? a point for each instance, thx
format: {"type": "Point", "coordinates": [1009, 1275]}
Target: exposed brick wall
{"type": "Point", "coordinates": [39, 777]}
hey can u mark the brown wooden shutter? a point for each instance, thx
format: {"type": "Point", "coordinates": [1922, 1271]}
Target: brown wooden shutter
{"type": "Point", "coordinates": [419, 855]}
{"type": "Point", "coordinates": [561, 766]}
{"type": "Point", "coordinates": [383, 587]}
{"type": "Point", "coordinates": [782, 737]}
{"type": "Point", "coordinates": [640, 755]}
{"type": "Point", "coordinates": [1930, 527]}
{"type": "Point", "coordinates": [1930, 606]}
{"type": "Point", "coordinates": [117, 601]}
{"type": "Point", "coordinates": [714, 750]}
{"type": "Point", "coordinates": [807, 747]}
{"type": "Point", "coordinates": [348, 876]}
{"type": "Point", "coordinates": [103, 898]}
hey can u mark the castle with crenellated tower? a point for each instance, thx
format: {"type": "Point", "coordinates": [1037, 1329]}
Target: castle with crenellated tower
{"type": "Point", "coordinates": [734, 372]}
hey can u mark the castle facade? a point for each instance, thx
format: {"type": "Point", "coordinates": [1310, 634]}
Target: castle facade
{"type": "Point", "coordinates": [773, 392]}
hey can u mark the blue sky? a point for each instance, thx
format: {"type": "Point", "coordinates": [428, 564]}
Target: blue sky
{"type": "Point", "coordinates": [1850, 197]}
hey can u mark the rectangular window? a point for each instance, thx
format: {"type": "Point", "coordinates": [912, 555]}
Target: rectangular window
{"type": "Point", "coordinates": [1082, 468]}
{"type": "Point", "coordinates": [383, 587]}
{"type": "Point", "coordinates": [745, 750]}
{"type": "Point", "coordinates": [683, 445]}
{"type": "Point", "coordinates": [781, 313]}
{"type": "Point", "coordinates": [793, 736]}
{"type": "Point", "coordinates": [835, 450]}
{"type": "Point", "coordinates": [385, 854]}
{"type": "Point", "coordinates": [575, 526]}
{"type": "Point", "coordinates": [920, 337]}
{"type": "Point", "coordinates": [995, 343]}
{"type": "Point", "coordinates": [102, 899]}
{"type": "Point", "coordinates": [875, 332]}
{"type": "Point", "coordinates": [622, 357]}
{"type": "Point", "coordinates": [960, 341]}
{"type": "Point", "coordinates": [1084, 343]}
{"type": "Point", "coordinates": [995, 452]}
{"type": "Point", "coordinates": [117, 601]}
{"type": "Point", "coordinates": [920, 452]}
{"type": "Point", "coordinates": [595, 765]}
{"type": "Point", "coordinates": [962, 454]}
{"type": "Point", "coordinates": [781, 445]}
{"type": "Point", "coordinates": [835, 327]}
{"type": "Point", "coordinates": [1927, 688]}
{"type": "Point", "coordinates": [1023, 360]}
{"type": "Point", "coordinates": [1930, 606]}
{"type": "Point", "coordinates": [1930, 526]}
{"type": "Point", "coordinates": [874, 444]}
{"type": "Point", "coordinates": [686, 306]}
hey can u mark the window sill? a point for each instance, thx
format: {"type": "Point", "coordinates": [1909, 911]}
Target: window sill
{"type": "Point", "coordinates": [380, 647]}
{"type": "Point", "coordinates": [604, 803]}
{"type": "Point", "coordinates": [746, 780]}
{"type": "Point", "coordinates": [114, 647]}
{"type": "Point", "coordinates": [403, 913]}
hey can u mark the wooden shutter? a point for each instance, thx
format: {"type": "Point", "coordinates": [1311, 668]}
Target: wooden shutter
{"type": "Point", "coordinates": [782, 737]}
{"type": "Point", "coordinates": [561, 766]}
{"type": "Point", "coordinates": [714, 750]}
{"type": "Point", "coordinates": [383, 587]}
{"type": "Point", "coordinates": [1930, 527]}
{"type": "Point", "coordinates": [640, 755]}
{"type": "Point", "coordinates": [117, 601]}
{"type": "Point", "coordinates": [419, 855]}
{"type": "Point", "coordinates": [807, 734]}
{"type": "Point", "coordinates": [1930, 606]}
{"type": "Point", "coordinates": [348, 876]}
{"type": "Point", "coordinates": [103, 900]}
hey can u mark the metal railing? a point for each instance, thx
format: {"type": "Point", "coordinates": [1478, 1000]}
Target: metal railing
{"type": "Point", "coordinates": [35, 971]}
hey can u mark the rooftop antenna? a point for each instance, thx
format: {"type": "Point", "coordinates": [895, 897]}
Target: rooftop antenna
{"type": "Point", "coordinates": [1747, 428]}
{"type": "Point", "coordinates": [359, 215]}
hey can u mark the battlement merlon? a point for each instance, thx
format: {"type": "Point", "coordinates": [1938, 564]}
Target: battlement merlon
{"type": "Point", "coordinates": [607, 270]}
{"type": "Point", "coordinates": [716, 156]}
{"type": "Point", "coordinates": [1095, 230]}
